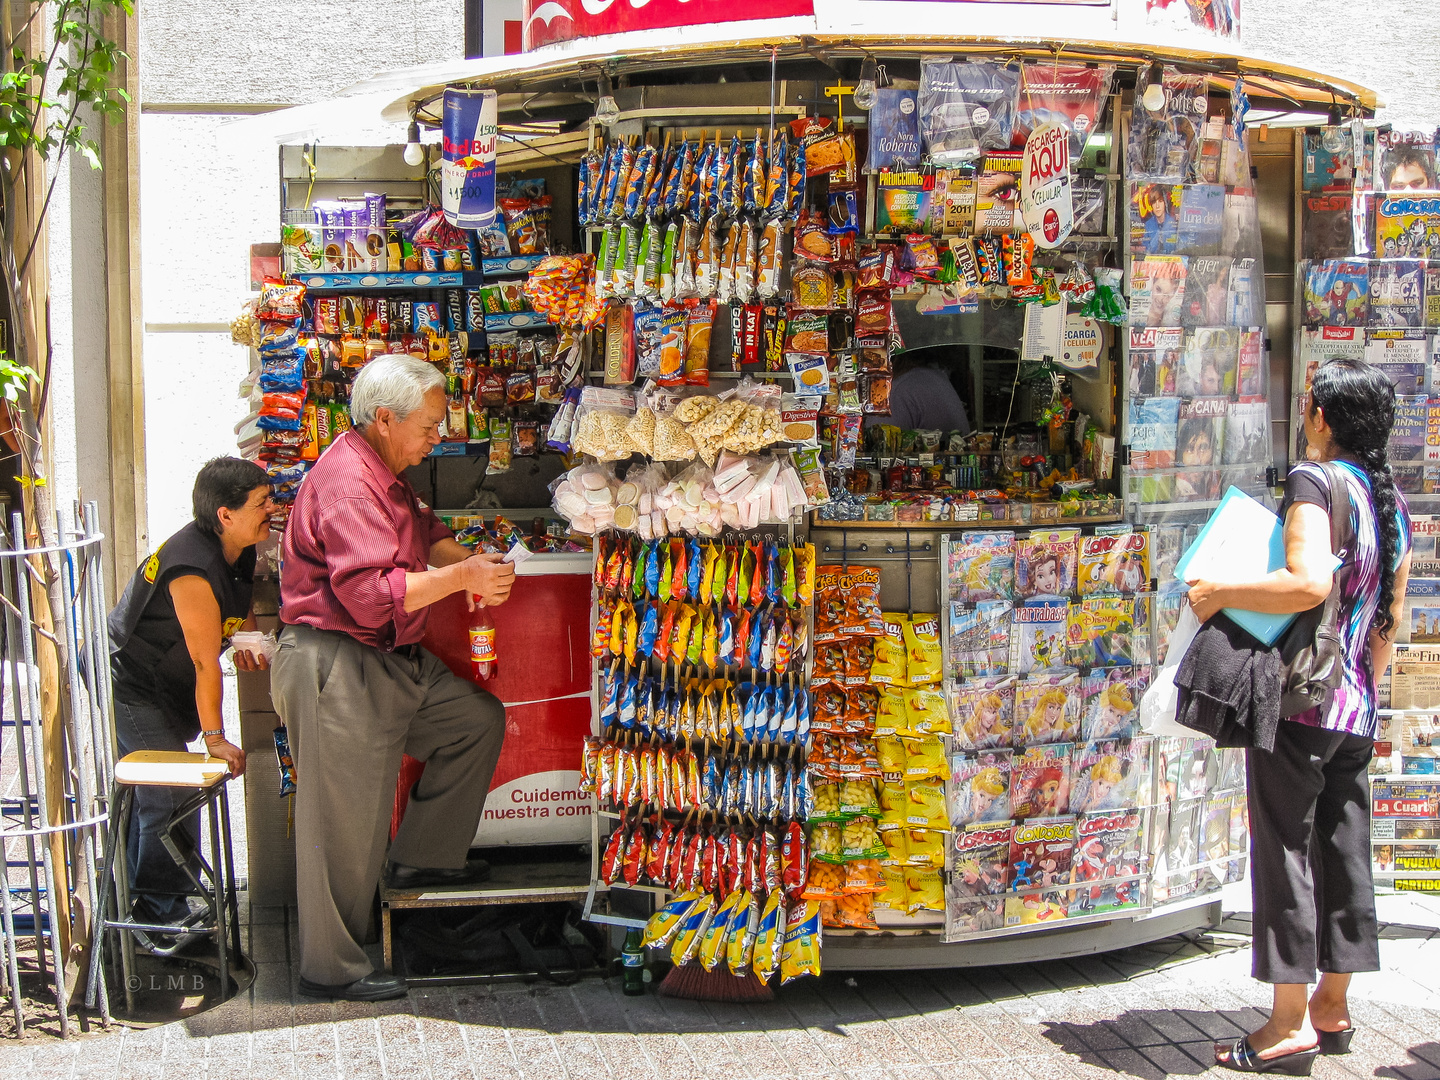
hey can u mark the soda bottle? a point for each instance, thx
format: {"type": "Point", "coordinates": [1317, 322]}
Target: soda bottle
{"type": "Point", "coordinates": [632, 961]}
{"type": "Point", "coordinates": [482, 640]}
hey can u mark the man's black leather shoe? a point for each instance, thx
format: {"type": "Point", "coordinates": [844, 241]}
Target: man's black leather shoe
{"type": "Point", "coordinates": [422, 877]}
{"type": "Point", "coordinates": [377, 986]}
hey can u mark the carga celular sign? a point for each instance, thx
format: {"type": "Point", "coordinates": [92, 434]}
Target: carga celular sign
{"type": "Point", "coordinates": [1045, 197]}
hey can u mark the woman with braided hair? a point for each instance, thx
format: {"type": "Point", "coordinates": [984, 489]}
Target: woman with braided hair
{"type": "Point", "coordinates": [1314, 900]}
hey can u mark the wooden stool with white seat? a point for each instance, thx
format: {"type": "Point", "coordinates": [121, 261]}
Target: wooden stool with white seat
{"type": "Point", "coordinates": [214, 884]}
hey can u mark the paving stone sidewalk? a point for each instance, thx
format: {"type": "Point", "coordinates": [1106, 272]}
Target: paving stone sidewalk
{"type": "Point", "coordinates": [1144, 1012]}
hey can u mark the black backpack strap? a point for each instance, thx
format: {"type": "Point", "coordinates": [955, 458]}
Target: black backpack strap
{"type": "Point", "coordinates": [1341, 534]}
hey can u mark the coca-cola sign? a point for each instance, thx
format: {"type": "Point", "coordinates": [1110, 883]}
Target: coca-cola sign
{"type": "Point", "coordinates": [549, 21]}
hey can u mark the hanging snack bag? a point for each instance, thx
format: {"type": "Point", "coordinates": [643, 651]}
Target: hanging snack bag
{"type": "Point", "coordinates": [699, 320]}
{"type": "Point", "coordinates": [890, 715]}
{"type": "Point", "coordinates": [890, 666]}
{"type": "Point", "coordinates": [861, 588]}
{"type": "Point", "coordinates": [500, 447]}
{"type": "Point", "coordinates": [925, 847]}
{"type": "Point", "coordinates": [769, 937]}
{"type": "Point", "coordinates": [802, 942]}
{"type": "Point", "coordinates": [692, 930]}
{"type": "Point", "coordinates": [894, 806]}
{"type": "Point", "coordinates": [855, 911]}
{"type": "Point", "coordinates": [744, 923]}
{"type": "Point", "coordinates": [672, 347]}
{"type": "Point", "coordinates": [925, 805]}
{"type": "Point", "coordinates": [893, 896]}
{"type": "Point", "coordinates": [811, 287]}
{"type": "Point", "coordinates": [282, 302]}
{"type": "Point", "coordinates": [925, 891]}
{"type": "Point", "coordinates": [926, 712]}
{"type": "Point", "coordinates": [924, 758]}
{"type": "Point", "coordinates": [924, 664]}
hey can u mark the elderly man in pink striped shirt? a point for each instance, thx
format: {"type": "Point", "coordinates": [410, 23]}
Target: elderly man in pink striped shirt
{"type": "Point", "coordinates": [364, 559]}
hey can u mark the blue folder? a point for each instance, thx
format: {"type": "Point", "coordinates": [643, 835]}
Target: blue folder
{"type": "Point", "coordinates": [1243, 521]}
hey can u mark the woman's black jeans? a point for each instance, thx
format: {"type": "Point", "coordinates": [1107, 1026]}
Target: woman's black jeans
{"type": "Point", "coordinates": [142, 727]}
{"type": "Point", "coordinates": [1310, 878]}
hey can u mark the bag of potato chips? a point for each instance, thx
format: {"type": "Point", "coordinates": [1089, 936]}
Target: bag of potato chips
{"type": "Point", "coordinates": [923, 663]}
{"type": "Point", "coordinates": [889, 666]}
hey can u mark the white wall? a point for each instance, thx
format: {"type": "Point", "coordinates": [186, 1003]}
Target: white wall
{"type": "Point", "coordinates": [207, 193]}
{"type": "Point", "coordinates": [1389, 47]}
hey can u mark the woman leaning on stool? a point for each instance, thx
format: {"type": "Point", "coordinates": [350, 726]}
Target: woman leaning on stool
{"type": "Point", "coordinates": [166, 637]}
{"type": "Point", "coordinates": [1314, 900]}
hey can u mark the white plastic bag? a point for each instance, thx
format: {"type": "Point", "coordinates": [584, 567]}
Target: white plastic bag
{"type": "Point", "coordinates": [1157, 706]}
{"type": "Point", "coordinates": [253, 641]}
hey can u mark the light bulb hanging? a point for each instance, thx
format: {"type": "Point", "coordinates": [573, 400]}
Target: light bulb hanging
{"type": "Point", "coordinates": [607, 111]}
{"type": "Point", "coordinates": [414, 152]}
{"type": "Point", "coordinates": [1153, 99]}
{"type": "Point", "coordinates": [865, 94]}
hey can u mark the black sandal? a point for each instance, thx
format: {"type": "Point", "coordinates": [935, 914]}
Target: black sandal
{"type": "Point", "coordinates": [1336, 1042]}
{"type": "Point", "coordinates": [1244, 1058]}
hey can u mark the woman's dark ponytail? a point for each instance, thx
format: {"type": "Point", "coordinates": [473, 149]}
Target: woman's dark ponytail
{"type": "Point", "coordinates": [1359, 405]}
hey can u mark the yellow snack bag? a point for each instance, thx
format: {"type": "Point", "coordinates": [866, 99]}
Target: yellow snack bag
{"type": "Point", "coordinates": [860, 839]}
{"type": "Point", "coordinates": [890, 753]}
{"type": "Point", "coordinates": [740, 947]}
{"type": "Point", "coordinates": [923, 663]}
{"type": "Point", "coordinates": [894, 805]}
{"type": "Point", "coordinates": [926, 712]}
{"type": "Point", "coordinates": [712, 943]}
{"type": "Point", "coordinates": [801, 954]}
{"type": "Point", "coordinates": [665, 923]}
{"type": "Point", "coordinates": [895, 896]}
{"type": "Point", "coordinates": [858, 797]}
{"type": "Point", "coordinates": [692, 929]}
{"type": "Point", "coordinates": [825, 804]}
{"type": "Point", "coordinates": [924, 758]}
{"type": "Point", "coordinates": [890, 715]}
{"type": "Point", "coordinates": [925, 848]}
{"type": "Point", "coordinates": [805, 573]}
{"type": "Point", "coordinates": [769, 937]}
{"type": "Point", "coordinates": [925, 891]}
{"type": "Point", "coordinates": [890, 665]}
{"type": "Point", "coordinates": [825, 841]}
{"type": "Point", "coordinates": [926, 805]}
{"type": "Point", "coordinates": [897, 847]}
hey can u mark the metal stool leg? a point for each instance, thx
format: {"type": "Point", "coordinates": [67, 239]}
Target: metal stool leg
{"type": "Point", "coordinates": [121, 797]}
{"type": "Point", "coordinates": [230, 887]}
{"type": "Point", "coordinates": [222, 943]}
{"type": "Point", "coordinates": [219, 870]}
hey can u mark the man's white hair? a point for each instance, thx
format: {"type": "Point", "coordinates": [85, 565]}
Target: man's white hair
{"type": "Point", "coordinates": [395, 382]}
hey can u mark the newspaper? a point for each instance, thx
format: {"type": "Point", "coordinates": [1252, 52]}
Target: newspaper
{"type": "Point", "coordinates": [1415, 679]}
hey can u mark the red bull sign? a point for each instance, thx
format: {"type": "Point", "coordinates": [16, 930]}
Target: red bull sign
{"type": "Point", "coordinates": [551, 21]}
{"type": "Point", "coordinates": [471, 128]}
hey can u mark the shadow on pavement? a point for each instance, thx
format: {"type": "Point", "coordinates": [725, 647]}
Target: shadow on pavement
{"type": "Point", "coordinates": [1424, 1064]}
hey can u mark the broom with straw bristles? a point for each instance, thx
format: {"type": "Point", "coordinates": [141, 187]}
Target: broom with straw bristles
{"type": "Point", "coordinates": [693, 983]}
